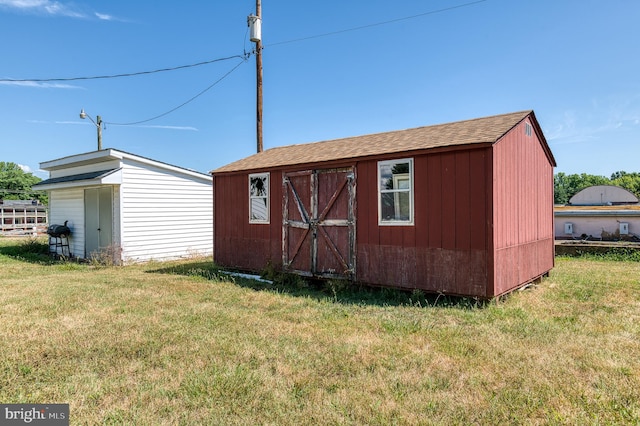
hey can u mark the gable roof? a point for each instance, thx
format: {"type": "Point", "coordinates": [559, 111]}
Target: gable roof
{"type": "Point", "coordinates": [110, 154]}
{"type": "Point", "coordinates": [467, 132]}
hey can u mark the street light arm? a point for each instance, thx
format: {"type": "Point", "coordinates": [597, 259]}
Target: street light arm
{"type": "Point", "coordinates": [84, 115]}
{"type": "Point", "coordinates": [98, 125]}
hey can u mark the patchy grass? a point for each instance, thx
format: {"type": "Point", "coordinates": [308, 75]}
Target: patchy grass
{"type": "Point", "coordinates": [179, 343]}
{"type": "Point", "coordinates": [615, 254]}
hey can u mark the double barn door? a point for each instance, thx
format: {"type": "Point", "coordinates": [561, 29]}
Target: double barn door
{"type": "Point", "coordinates": [319, 225]}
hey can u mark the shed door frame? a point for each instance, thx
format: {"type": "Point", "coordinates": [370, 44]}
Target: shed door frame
{"type": "Point", "coordinates": [98, 214]}
{"type": "Point", "coordinates": [316, 227]}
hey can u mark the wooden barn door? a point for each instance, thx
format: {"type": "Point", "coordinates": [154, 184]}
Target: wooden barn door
{"type": "Point", "coordinates": [319, 224]}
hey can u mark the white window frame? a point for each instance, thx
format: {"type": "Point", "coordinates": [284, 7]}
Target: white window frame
{"type": "Point", "coordinates": [253, 197]}
{"type": "Point", "coordinates": [396, 192]}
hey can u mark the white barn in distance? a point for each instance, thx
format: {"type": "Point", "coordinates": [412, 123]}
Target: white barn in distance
{"type": "Point", "coordinates": [603, 195]}
{"type": "Point", "coordinates": [135, 208]}
{"type": "Point", "coordinates": [600, 212]}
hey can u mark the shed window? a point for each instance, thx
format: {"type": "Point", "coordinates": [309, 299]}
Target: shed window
{"type": "Point", "coordinates": [395, 192]}
{"type": "Point", "coordinates": [259, 198]}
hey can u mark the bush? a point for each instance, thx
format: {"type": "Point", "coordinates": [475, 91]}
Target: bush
{"type": "Point", "coordinates": [34, 245]}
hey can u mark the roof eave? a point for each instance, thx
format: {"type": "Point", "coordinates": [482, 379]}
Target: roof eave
{"type": "Point", "coordinates": [113, 177]}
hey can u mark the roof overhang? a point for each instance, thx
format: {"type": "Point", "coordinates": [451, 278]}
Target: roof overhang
{"type": "Point", "coordinates": [102, 177]}
{"type": "Point", "coordinates": [597, 213]}
{"type": "Point", "coordinates": [93, 157]}
{"type": "Point", "coordinates": [96, 157]}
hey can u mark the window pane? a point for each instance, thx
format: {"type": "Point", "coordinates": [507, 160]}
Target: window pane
{"type": "Point", "coordinates": [388, 208]}
{"type": "Point", "coordinates": [259, 198]}
{"type": "Point", "coordinates": [395, 206]}
{"type": "Point", "coordinates": [402, 205]}
{"type": "Point", "coordinates": [395, 191]}
{"type": "Point", "coordinates": [402, 182]}
{"type": "Point", "coordinates": [394, 176]}
{"type": "Point", "coordinates": [258, 186]}
{"type": "Point", "coordinates": [259, 209]}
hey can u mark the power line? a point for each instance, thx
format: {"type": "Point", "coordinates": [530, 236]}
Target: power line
{"type": "Point", "coordinates": [391, 21]}
{"type": "Point", "coordinates": [244, 58]}
{"type": "Point", "coordinates": [182, 104]}
{"type": "Point", "coordinates": [132, 74]}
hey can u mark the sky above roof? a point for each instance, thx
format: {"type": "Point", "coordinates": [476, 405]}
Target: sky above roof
{"type": "Point", "coordinates": [175, 83]}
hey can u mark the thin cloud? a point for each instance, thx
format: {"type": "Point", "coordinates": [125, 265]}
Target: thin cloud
{"type": "Point", "coordinates": [80, 122]}
{"type": "Point", "coordinates": [194, 129]}
{"type": "Point", "coordinates": [39, 85]}
{"type": "Point", "coordinates": [68, 122]}
{"type": "Point", "coordinates": [53, 8]}
{"type": "Point", "coordinates": [41, 7]}
{"type": "Point", "coordinates": [104, 17]}
{"type": "Point", "coordinates": [614, 115]}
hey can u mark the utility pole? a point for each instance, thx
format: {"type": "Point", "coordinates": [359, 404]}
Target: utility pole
{"type": "Point", "coordinates": [255, 24]}
{"type": "Point", "coordinates": [259, 82]}
{"type": "Point", "coordinates": [97, 123]}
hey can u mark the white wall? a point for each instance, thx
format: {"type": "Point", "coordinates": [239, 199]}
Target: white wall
{"type": "Point", "coordinates": [594, 225]}
{"type": "Point", "coordinates": [68, 204]}
{"type": "Point", "coordinates": [165, 215]}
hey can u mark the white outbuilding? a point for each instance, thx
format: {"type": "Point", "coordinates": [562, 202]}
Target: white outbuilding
{"type": "Point", "coordinates": [131, 207]}
{"type": "Point", "coordinates": [603, 195]}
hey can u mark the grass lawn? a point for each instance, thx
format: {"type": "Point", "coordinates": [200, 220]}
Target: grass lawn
{"type": "Point", "coordinates": [175, 343]}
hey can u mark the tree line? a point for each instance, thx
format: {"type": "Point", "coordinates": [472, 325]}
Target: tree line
{"type": "Point", "coordinates": [566, 186]}
{"type": "Point", "coordinates": [16, 184]}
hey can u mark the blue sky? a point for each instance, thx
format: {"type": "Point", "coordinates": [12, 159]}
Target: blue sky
{"type": "Point", "coordinates": [576, 63]}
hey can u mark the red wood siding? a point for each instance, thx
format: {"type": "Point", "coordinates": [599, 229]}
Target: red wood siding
{"type": "Point", "coordinates": [238, 243]}
{"type": "Point", "coordinates": [483, 219]}
{"type": "Point", "coordinates": [446, 249]}
{"type": "Point", "coordinates": [523, 211]}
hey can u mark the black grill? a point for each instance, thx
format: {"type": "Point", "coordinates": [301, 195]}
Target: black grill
{"type": "Point", "coordinates": [59, 230]}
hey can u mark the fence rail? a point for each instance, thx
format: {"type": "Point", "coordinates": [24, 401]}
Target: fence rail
{"type": "Point", "coordinates": [26, 219]}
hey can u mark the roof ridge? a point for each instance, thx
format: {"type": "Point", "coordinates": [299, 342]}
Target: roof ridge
{"type": "Point", "coordinates": [524, 113]}
{"type": "Point", "coordinates": [456, 133]}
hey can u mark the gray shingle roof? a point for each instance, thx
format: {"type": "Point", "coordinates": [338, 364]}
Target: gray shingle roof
{"type": "Point", "coordinates": [475, 131]}
{"type": "Point", "coordinates": [74, 178]}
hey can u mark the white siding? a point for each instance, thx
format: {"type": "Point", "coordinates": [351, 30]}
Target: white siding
{"type": "Point", "coordinates": [102, 165]}
{"type": "Point", "coordinates": [117, 216]}
{"type": "Point", "coordinates": [164, 214]}
{"type": "Point", "coordinates": [68, 205]}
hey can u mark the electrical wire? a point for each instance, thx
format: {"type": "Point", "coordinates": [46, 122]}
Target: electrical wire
{"type": "Point", "coordinates": [391, 21]}
{"type": "Point", "coordinates": [182, 104]}
{"type": "Point", "coordinates": [42, 80]}
{"type": "Point", "coordinates": [244, 58]}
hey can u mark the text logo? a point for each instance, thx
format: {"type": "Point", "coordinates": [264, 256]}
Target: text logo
{"type": "Point", "coordinates": [34, 414]}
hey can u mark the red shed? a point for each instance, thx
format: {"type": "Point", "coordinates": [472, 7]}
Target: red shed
{"type": "Point", "coordinates": [463, 208]}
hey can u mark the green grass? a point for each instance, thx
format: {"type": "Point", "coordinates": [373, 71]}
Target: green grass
{"type": "Point", "coordinates": [179, 343]}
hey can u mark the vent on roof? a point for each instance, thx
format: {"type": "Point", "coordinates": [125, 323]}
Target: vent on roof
{"type": "Point", "coordinates": [527, 129]}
